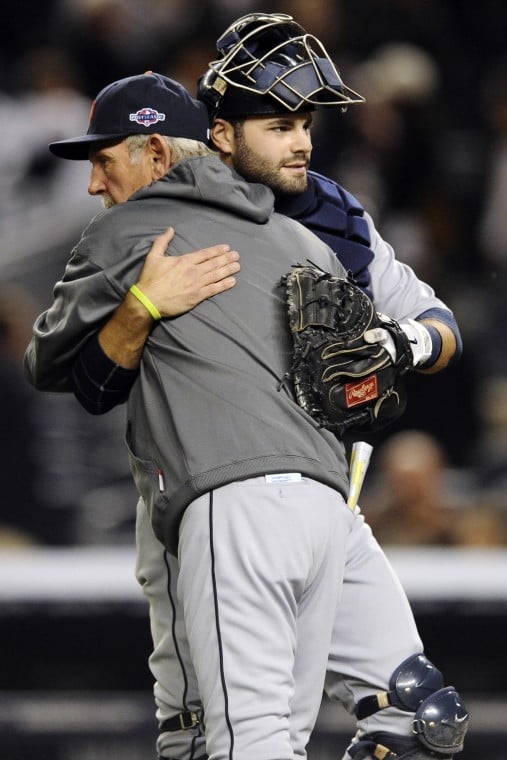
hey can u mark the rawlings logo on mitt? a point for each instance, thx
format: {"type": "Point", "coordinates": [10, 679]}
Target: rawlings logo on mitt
{"type": "Point", "coordinates": [340, 379]}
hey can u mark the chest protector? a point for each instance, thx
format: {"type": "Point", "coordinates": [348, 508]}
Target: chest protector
{"type": "Point", "coordinates": [337, 218]}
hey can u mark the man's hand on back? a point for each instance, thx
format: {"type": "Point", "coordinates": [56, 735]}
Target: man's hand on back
{"type": "Point", "coordinates": [174, 285]}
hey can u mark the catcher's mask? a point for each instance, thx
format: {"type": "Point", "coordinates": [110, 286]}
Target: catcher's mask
{"type": "Point", "coordinates": [268, 64]}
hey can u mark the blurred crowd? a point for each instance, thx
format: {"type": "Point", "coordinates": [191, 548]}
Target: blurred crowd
{"type": "Point", "coordinates": [426, 155]}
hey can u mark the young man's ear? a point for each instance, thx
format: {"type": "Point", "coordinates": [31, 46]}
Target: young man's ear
{"type": "Point", "coordinates": [222, 135]}
{"type": "Point", "coordinates": [159, 155]}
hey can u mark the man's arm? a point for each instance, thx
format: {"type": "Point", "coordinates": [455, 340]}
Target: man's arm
{"type": "Point", "coordinates": [399, 293]}
{"type": "Point", "coordinates": [106, 368]}
{"type": "Point", "coordinates": [446, 341]}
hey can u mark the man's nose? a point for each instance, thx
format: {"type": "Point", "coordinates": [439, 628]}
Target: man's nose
{"type": "Point", "coordinates": [96, 184]}
{"type": "Point", "coordinates": [302, 141]}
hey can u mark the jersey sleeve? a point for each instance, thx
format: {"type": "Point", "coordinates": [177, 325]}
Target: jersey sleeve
{"type": "Point", "coordinates": [91, 288]}
{"type": "Point", "coordinates": [397, 291]}
{"type": "Point", "coordinates": [98, 383]}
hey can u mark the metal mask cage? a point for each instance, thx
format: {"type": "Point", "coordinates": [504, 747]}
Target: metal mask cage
{"type": "Point", "coordinates": [294, 70]}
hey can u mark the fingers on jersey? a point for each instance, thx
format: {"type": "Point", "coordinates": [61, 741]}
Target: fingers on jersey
{"type": "Point", "coordinates": [162, 242]}
{"type": "Point", "coordinates": [208, 266]}
{"type": "Point", "coordinates": [176, 284]}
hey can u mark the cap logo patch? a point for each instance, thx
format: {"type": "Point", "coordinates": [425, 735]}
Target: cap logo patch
{"type": "Point", "coordinates": [147, 116]}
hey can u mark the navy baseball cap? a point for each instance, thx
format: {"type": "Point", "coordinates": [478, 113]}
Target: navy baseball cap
{"type": "Point", "coordinates": [138, 105]}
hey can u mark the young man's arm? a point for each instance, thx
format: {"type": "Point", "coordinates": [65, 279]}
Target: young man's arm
{"type": "Point", "coordinates": [445, 336]}
{"type": "Point", "coordinates": [399, 293]}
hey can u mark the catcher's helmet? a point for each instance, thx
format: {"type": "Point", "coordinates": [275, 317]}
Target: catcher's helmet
{"type": "Point", "coordinates": [268, 63]}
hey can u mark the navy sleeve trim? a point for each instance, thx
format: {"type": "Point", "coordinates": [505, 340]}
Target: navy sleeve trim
{"type": "Point", "coordinates": [98, 383]}
{"type": "Point", "coordinates": [436, 346]}
{"type": "Point", "coordinates": [447, 317]}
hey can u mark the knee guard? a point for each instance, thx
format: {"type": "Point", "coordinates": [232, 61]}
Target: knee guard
{"type": "Point", "coordinates": [412, 681]}
{"type": "Point", "coordinates": [440, 719]}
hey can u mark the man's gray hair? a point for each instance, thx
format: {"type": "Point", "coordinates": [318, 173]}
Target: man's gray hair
{"type": "Point", "coordinates": [181, 147]}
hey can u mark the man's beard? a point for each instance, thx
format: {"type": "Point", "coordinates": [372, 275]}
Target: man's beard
{"type": "Point", "coordinates": [253, 168]}
{"type": "Point", "coordinates": [107, 201]}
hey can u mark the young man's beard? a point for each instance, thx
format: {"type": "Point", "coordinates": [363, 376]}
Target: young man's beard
{"type": "Point", "coordinates": [254, 168]}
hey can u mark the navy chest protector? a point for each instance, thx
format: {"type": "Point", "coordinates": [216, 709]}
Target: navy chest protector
{"type": "Point", "coordinates": [337, 218]}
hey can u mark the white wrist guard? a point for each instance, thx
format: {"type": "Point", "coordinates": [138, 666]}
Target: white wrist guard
{"type": "Point", "coordinates": [419, 339]}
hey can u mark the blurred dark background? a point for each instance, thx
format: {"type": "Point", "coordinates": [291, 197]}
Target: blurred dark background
{"type": "Point", "coordinates": [426, 155]}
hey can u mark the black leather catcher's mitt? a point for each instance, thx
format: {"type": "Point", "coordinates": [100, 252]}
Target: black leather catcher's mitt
{"type": "Point", "coordinates": [341, 378]}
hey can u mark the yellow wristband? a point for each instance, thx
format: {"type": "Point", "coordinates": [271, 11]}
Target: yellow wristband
{"type": "Point", "coordinates": [148, 305]}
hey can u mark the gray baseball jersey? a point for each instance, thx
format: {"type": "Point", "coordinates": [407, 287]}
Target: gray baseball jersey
{"type": "Point", "coordinates": [366, 646]}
